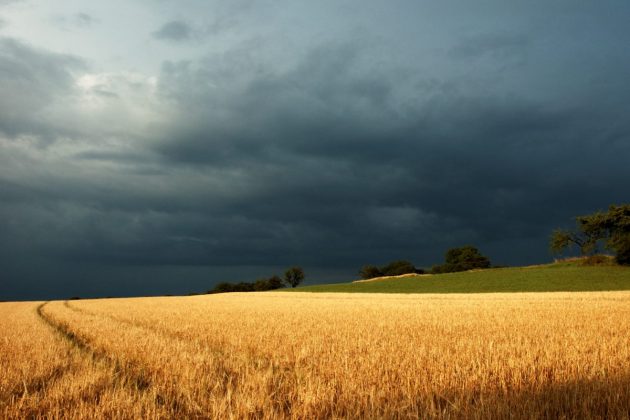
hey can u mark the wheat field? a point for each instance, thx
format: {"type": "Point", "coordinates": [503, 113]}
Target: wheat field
{"type": "Point", "coordinates": [301, 355]}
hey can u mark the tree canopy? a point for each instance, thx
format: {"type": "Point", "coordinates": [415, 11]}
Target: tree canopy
{"type": "Point", "coordinates": [394, 268]}
{"type": "Point", "coordinates": [610, 229]}
{"type": "Point", "coordinates": [294, 276]}
{"type": "Point", "coordinates": [461, 259]}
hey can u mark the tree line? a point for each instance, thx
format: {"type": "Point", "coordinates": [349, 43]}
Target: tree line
{"type": "Point", "coordinates": [456, 259]}
{"type": "Point", "coordinates": [601, 230]}
{"type": "Point", "coordinates": [608, 230]}
{"type": "Point", "coordinates": [292, 277]}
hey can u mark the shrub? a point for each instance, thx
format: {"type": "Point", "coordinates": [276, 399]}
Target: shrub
{"type": "Point", "coordinates": [598, 260]}
{"type": "Point", "coordinates": [394, 268]}
{"type": "Point", "coordinates": [272, 283]}
{"type": "Point", "coordinates": [462, 259]}
{"type": "Point", "coordinates": [244, 287]}
{"type": "Point", "coordinates": [223, 287]}
{"type": "Point", "coordinates": [370, 272]}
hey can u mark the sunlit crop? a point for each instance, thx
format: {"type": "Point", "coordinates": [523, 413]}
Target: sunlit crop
{"type": "Point", "coordinates": [301, 355]}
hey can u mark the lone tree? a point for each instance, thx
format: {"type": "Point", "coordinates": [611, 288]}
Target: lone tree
{"type": "Point", "coordinates": [461, 259]}
{"type": "Point", "coordinates": [612, 229]}
{"type": "Point", "coordinates": [294, 276]}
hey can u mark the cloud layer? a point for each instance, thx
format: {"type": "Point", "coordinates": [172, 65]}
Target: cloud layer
{"type": "Point", "coordinates": [174, 30]}
{"type": "Point", "coordinates": [330, 154]}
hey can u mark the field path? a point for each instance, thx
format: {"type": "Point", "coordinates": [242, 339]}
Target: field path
{"type": "Point", "coordinates": [38, 384]}
{"type": "Point", "coordinates": [45, 372]}
{"type": "Point", "coordinates": [126, 373]}
{"type": "Point", "coordinates": [187, 379]}
{"type": "Point", "coordinates": [151, 327]}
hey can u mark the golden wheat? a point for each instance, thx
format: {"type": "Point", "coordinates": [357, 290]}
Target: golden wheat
{"type": "Point", "coordinates": [275, 355]}
{"type": "Point", "coordinates": [43, 374]}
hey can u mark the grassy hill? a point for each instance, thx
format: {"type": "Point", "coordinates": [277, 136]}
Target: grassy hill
{"type": "Point", "coordinates": [567, 276]}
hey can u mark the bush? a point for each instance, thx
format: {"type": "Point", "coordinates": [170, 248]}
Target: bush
{"type": "Point", "coordinates": [439, 269]}
{"type": "Point", "coordinates": [462, 259]}
{"type": "Point", "coordinates": [260, 285]}
{"type": "Point", "coordinates": [370, 272]}
{"type": "Point", "coordinates": [598, 260]}
{"type": "Point", "coordinates": [394, 268]}
{"type": "Point", "coordinates": [224, 287]}
{"type": "Point", "coordinates": [244, 287]}
{"type": "Point", "coordinates": [272, 283]}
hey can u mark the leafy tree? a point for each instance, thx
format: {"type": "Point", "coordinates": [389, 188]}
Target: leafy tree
{"type": "Point", "coordinates": [461, 259]}
{"type": "Point", "coordinates": [261, 285]}
{"type": "Point", "coordinates": [466, 258]}
{"type": "Point", "coordinates": [243, 287]}
{"type": "Point", "coordinates": [396, 268]}
{"type": "Point", "coordinates": [272, 283]}
{"type": "Point", "coordinates": [612, 229]}
{"type": "Point", "coordinates": [294, 276]}
{"type": "Point", "coordinates": [370, 272]}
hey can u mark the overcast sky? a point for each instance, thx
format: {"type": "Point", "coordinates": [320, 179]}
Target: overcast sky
{"type": "Point", "coordinates": [153, 146]}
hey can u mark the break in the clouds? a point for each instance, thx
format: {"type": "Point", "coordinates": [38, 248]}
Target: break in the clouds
{"type": "Point", "coordinates": [327, 137]}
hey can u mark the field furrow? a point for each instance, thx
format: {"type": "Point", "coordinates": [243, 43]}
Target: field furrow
{"type": "Point", "coordinates": [43, 374]}
{"type": "Point", "coordinates": [132, 322]}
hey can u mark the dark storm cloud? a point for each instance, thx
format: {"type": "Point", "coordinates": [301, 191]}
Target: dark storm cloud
{"type": "Point", "coordinates": [330, 145]}
{"type": "Point", "coordinates": [174, 30]}
{"type": "Point", "coordinates": [494, 45]}
{"type": "Point", "coordinates": [30, 80]}
{"type": "Point", "coordinates": [330, 155]}
{"type": "Point", "coordinates": [326, 163]}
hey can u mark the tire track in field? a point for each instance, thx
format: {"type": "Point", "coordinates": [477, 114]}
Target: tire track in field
{"type": "Point", "coordinates": [166, 333]}
{"type": "Point", "coordinates": [217, 351]}
{"type": "Point", "coordinates": [41, 383]}
{"type": "Point", "coordinates": [124, 374]}
{"type": "Point", "coordinates": [227, 376]}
